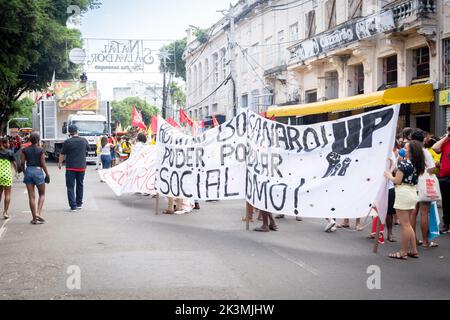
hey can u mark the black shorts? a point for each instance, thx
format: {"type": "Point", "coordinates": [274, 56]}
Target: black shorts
{"type": "Point", "coordinates": [391, 200]}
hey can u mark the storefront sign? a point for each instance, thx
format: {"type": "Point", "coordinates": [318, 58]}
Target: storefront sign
{"type": "Point", "coordinates": [75, 95]}
{"type": "Point", "coordinates": [444, 97]}
{"type": "Point", "coordinates": [343, 35]}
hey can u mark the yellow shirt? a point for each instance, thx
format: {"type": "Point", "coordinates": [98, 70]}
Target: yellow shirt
{"type": "Point", "coordinates": [436, 156]}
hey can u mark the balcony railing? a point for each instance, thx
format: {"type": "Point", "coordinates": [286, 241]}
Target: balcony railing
{"type": "Point", "coordinates": [411, 7]}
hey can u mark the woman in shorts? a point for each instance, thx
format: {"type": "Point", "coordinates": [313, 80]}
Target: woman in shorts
{"type": "Point", "coordinates": [33, 160]}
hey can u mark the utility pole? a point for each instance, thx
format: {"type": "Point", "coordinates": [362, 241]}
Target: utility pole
{"type": "Point", "coordinates": [231, 47]}
{"type": "Point", "coordinates": [164, 102]}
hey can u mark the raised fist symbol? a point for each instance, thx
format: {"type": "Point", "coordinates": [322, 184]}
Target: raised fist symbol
{"type": "Point", "coordinates": [333, 159]}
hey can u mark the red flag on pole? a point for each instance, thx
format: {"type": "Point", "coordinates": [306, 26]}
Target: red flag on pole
{"type": "Point", "coordinates": [173, 123]}
{"type": "Point", "coordinates": [185, 119]}
{"type": "Point", "coordinates": [215, 122]}
{"type": "Point", "coordinates": [154, 124]}
{"type": "Point", "coordinates": [136, 119]}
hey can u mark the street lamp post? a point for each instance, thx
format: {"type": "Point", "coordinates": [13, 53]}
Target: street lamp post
{"type": "Point", "coordinates": [17, 119]}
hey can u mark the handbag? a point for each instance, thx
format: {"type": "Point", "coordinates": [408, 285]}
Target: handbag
{"type": "Point", "coordinates": [428, 188]}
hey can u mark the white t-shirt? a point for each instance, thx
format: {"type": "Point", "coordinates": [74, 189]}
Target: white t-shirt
{"type": "Point", "coordinates": [429, 161]}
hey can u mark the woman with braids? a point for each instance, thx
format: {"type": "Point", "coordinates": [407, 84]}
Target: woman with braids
{"type": "Point", "coordinates": [406, 178]}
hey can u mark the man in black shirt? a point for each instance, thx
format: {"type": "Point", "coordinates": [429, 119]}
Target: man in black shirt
{"type": "Point", "coordinates": [74, 152]}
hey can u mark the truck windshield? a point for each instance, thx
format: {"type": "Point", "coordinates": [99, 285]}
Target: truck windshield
{"type": "Point", "coordinates": [90, 128]}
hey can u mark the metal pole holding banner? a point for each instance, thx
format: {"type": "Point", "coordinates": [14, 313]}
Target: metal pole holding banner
{"type": "Point", "coordinates": [157, 204]}
{"type": "Point", "coordinates": [377, 235]}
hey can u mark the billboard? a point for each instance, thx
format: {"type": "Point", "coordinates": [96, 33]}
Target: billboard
{"type": "Point", "coordinates": [76, 95]}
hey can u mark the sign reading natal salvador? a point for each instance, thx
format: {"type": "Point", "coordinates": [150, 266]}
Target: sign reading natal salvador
{"type": "Point", "coordinates": [76, 95]}
{"type": "Point", "coordinates": [330, 169]}
{"type": "Point", "coordinates": [120, 55]}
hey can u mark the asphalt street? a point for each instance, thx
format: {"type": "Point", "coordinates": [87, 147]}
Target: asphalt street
{"type": "Point", "coordinates": [123, 250]}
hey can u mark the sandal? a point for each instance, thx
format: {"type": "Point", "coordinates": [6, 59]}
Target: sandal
{"type": "Point", "coordinates": [391, 239]}
{"type": "Point", "coordinates": [279, 216]}
{"type": "Point", "coordinates": [431, 245]}
{"type": "Point", "coordinates": [413, 255]}
{"type": "Point", "coordinates": [419, 242]}
{"type": "Point", "coordinates": [40, 219]}
{"type": "Point", "coordinates": [5, 217]}
{"type": "Point", "coordinates": [371, 236]}
{"type": "Point", "coordinates": [34, 222]}
{"type": "Point", "coordinates": [273, 227]}
{"type": "Point", "coordinates": [261, 229]}
{"type": "Point", "coordinates": [398, 255]}
{"type": "Point", "coordinates": [168, 212]}
{"type": "Point", "coordinates": [345, 226]}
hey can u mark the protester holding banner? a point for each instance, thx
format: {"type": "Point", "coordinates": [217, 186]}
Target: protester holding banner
{"type": "Point", "coordinates": [443, 147]}
{"type": "Point", "coordinates": [268, 223]}
{"type": "Point", "coordinates": [406, 179]}
{"type": "Point", "coordinates": [423, 207]}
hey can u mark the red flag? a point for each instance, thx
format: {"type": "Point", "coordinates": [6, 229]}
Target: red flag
{"type": "Point", "coordinates": [136, 119]}
{"type": "Point", "coordinates": [173, 123]}
{"type": "Point", "coordinates": [154, 124]}
{"type": "Point", "coordinates": [215, 122]}
{"type": "Point", "coordinates": [185, 119]}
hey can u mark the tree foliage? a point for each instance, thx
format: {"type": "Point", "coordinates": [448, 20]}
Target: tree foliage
{"type": "Point", "coordinates": [175, 65]}
{"type": "Point", "coordinates": [34, 43]}
{"type": "Point", "coordinates": [122, 110]}
{"type": "Point", "coordinates": [177, 94]}
{"type": "Point", "coordinates": [202, 35]}
{"type": "Point", "coordinates": [24, 109]}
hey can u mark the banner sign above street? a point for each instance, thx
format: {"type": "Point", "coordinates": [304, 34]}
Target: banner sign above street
{"type": "Point", "coordinates": [76, 95]}
{"type": "Point", "coordinates": [122, 55]}
{"type": "Point", "coordinates": [330, 169]}
{"type": "Point", "coordinates": [342, 35]}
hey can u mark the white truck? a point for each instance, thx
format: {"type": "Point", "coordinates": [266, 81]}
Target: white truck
{"type": "Point", "coordinates": [52, 124]}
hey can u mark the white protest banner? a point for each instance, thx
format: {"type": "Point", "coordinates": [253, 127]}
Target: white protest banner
{"type": "Point", "coordinates": [209, 166]}
{"type": "Point", "coordinates": [327, 170]}
{"type": "Point", "coordinates": [137, 174]}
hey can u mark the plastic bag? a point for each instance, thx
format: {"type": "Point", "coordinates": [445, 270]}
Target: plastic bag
{"type": "Point", "coordinates": [428, 188]}
{"type": "Point", "coordinates": [433, 225]}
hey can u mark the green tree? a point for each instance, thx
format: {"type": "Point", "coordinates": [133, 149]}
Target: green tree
{"type": "Point", "coordinates": [34, 41]}
{"type": "Point", "coordinates": [202, 35]}
{"type": "Point", "coordinates": [24, 109]}
{"type": "Point", "coordinates": [175, 65]}
{"type": "Point", "coordinates": [122, 110]}
{"type": "Point", "coordinates": [177, 94]}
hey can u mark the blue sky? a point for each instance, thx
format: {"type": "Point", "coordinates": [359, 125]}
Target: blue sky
{"type": "Point", "coordinates": [146, 19]}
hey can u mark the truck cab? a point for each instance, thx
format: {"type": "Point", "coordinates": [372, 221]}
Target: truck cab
{"type": "Point", "coordinates": [90, 126]}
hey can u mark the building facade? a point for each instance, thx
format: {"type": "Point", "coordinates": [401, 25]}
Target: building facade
{"type": "Point", "coordinates": [149, 92]}
{"type": "Point", "coordinates": [296, 52]}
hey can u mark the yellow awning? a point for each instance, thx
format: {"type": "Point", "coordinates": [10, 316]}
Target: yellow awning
{"type": "Point", "coordinates": [411, 94]}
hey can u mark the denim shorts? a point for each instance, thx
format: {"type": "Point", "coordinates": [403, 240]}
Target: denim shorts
{"type": "Point", "coordinates": [34, 175]}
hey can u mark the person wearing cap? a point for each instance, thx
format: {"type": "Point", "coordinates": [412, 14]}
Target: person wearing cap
{"type": "Point", "coordinates": [74, 153]}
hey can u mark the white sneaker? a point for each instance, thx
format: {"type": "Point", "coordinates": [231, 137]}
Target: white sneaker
{"type": "Point", "coordinates": [330, 225]}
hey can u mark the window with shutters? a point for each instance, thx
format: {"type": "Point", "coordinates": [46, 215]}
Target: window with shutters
{"type": "Point", "coordinates": [268, 50]}
{"type": "Point", "coordinates": [446, 63]}
{"type": "Point", "coordinates": [310, 24]}
{"type": "Point", "coordinates": [215, 68]}
{"type": "Point", "coordinates": [354, 8]}
{"type": "Point", "coordinates": [422, 62]}
{"type": "Point", "coordinates": [293, 32]}
{"type": "Point", "coordinates": [390, 70]}
{"type": "Point", "coordinates": [330, 13]}
{"type": "Point", "coordinates": [281, 47]}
